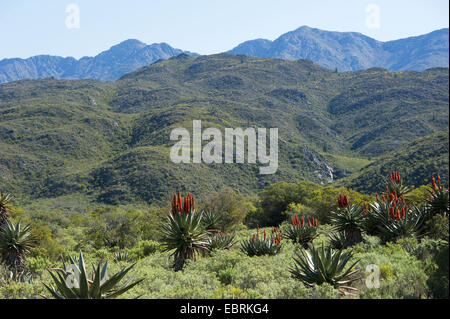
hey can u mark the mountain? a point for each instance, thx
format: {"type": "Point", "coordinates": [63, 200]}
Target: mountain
{"type": "Point", "coordinates": [109, 65]}
{"type": "Point", "coordinates": [74, 141]}
{"type": "Point", "coordinates": [348, 51]}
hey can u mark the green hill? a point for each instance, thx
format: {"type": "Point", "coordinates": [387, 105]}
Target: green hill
{"type": "Point", "coordinates": [417, 162]}
{"type": "Point", "coordinates": [109, 142]}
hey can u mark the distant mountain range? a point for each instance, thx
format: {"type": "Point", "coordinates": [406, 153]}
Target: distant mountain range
{"type": "Point", "coordinates": [109, 65]}
{"type": "Point", "coordinates": [349, 51]}
{"type": "Point", "coordinates": [345, 51]}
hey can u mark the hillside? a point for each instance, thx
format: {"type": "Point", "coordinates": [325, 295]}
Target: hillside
{"type": "Point", "coordinates": [349, 51]}
{"type": "Point", "coordinates": [417, 161]}
{"type": "Point", "coordinates": [109, 142]}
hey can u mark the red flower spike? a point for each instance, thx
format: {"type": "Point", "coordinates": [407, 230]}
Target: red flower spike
{"type": "Point", "coordinates": [391, 211]}
{"type": "Point", "coordinates": [180, 206]}
{"type": "Point", "coordinates": [302, 221]}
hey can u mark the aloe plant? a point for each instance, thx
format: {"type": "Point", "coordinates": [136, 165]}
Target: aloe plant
{"type": "Point", "coordinates": [5, 207]}
{"type": "Point", "coordinates": [301, 232]}
{"type": "Point", "coordinates": [183, 232]}
{"type": "Point", "coordinates": [121, 256]}
{"type": "Point", "coordinates": [323, 265]}
{"type": "Point", "coordinates": [71, 281]}
{"type": "Point", "coordinates": [394, 185]}
{"type": "Point", "coordinates": [394, 219]}
{"type": "Point", "coordinates": [438, 202]}
{"type": "Point", "coordinates": [337, 240]}
{"type": "Point", "coordinates": [210, 221]}
{"type": "Point", "coordinates": [348, 219]}
{"type": "Point", "coordinates": [221, 241]}
{"type": "Point", "coordinates": [16, 242]}
{"type": "Point", "coordinates": [263, 245]}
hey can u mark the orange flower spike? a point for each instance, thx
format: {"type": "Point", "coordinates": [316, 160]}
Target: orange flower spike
{"type": "Point", "coordinates": [309, 223]}
{"type": "Point", "coordinates": [253, 238]}
{"type": "Point", "coordinates": [439, 180]}
{"type": "Point", "coordinates": [302, 221]}
{"type": "Point", "coordinates": [264, 234]}
{"type": "Point", "coordinates": [403, 212]}
{"type": "Point", "coordinates": [433, 182]}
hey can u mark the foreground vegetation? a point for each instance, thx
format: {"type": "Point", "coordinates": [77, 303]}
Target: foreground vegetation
{"type": "Point", "coordinates": [188, 250]}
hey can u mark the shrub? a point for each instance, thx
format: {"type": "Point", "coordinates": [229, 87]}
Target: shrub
{"type": "Point", "coordinates": [437, 227]}
{"type": "Point", "coordinates": [228, 205]}
{"type": "Point", "coordinates": [439, 278]}
{"type": "Point", "coordinates": [226, 276]}
{"type": "Point", "coordinates": [401, 274]}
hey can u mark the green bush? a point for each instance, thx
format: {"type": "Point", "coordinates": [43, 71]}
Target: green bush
{"type": "Point", "coordinates": [229, 205]}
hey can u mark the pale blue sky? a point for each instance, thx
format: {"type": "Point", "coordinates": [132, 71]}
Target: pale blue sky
{"type": "Point", "coordinates": [204, 26]}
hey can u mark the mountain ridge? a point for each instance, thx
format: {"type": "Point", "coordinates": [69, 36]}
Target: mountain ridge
{"type": "Point", "coordinates": [345, 51]}
{"type": "Point", "coordinates": [350, 51]}
{"type": "Point", "coordinates": [108, 65]}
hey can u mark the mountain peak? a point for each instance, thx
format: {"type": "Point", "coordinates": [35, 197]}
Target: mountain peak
{"type": "Point", "coordinates": [348, 51]}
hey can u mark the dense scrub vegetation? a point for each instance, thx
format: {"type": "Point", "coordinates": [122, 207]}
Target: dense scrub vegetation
{"type": "Point", "coordinates": [293, 240]}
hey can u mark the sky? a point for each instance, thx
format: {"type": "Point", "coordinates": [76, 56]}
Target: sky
{"type": "Point", "coordinates": [86, 27]}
